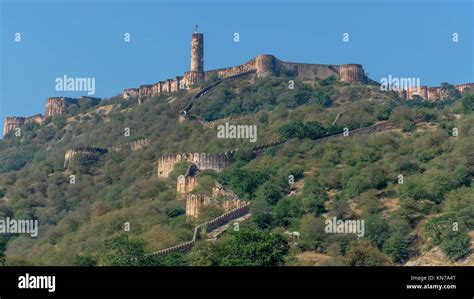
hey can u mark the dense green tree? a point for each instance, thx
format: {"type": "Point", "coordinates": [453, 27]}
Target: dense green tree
{"type": "Point", "coordinates": [314, 196]}
{"type": "Point", "coordinates": [455, 243]}
{"type": "Point", "coordinates": [362, 253]}
{"type": "Point", "coordinates": [262, 213]}
{"type": "Point", "coordinates": [121, 251]}
{"type": "Point", "coordinates": [292, 130]}
{"type": "Point", "coordinates": [435, 227]}
{"type": "Point", "coordinates": [174, 212]}
{"type": "Point", "coordinates": [403, 118]}
{"type": "Point", "coordinates": [467, 103]}
{"type": "Point", "coordinates": [3, 247]}
{"type": "Point", "coordinates": [298, 129]}
{"type": "Point", "coordinates": [450, 91]}
{"type": "Point", "coordinates": [249, 247]}
{"type": "Point", "coordinates": [314, 130]}
{"type": "Point", "coordinates": [244, 182]}
{"type": "Point", "coordinates": [396, 246]}
{"type": "Point", "coordinates": [376, 230]}
{"type": "Point", "coordinates": [270, 191]}
{"type": "Point", "coordinates": [287, 211]}
{"type": "Point", "coordinates": [85, 261]}
{"type": "Point", "coordinates": [313, 234]}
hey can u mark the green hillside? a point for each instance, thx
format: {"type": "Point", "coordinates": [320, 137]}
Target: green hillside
{"type": "Point", "coordinates": [355, 177]}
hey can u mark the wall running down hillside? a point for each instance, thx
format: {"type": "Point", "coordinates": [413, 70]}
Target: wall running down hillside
{"type": "Point", "coordinates": [205, 228]}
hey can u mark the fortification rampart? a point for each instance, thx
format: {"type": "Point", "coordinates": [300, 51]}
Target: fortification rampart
{"type": "Point", "coordinates": [433, 93]}
{"type": "Point", "coordinates": [58, 105]}
{"type": "Point", "coordinates": [465, 88]}
{"type": "Point", "coordinates": [204, 228]}
{"type": "Point", "coordinates": [310, 71]}
{"type": "Point", "coordinates": [226, 200]}
{"type": "Point", "coordinates": [187, 182]}
{"type": "Point", "coordinates": [263, 65]}
{"type": "Point", "coordinates": [94, 152]}
{"type": "Point", "coordinates": [351, 73]}
{"type": "Point", "coordinates": [11, 123]}
{"type": "Point", "coordinates": [89, 152]}
{"type": "Point", "coordinates": [195, 203]}
{"type": "Point", "coordinates": [231, 71]}
{"type": "Point", "coordinates": [203, 161]}
{"type": "Point", "coordinates": [35, 119]}
{"type": "Point", "coordinates": [133, 146]}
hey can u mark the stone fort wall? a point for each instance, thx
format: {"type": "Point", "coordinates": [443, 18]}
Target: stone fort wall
{"type": "Point", "coordinates": [54, 106]}
{"type": "Point", "coordinates": [12, 122]}
{"type": "Point", "coordinates": [205, 227]}
{"type": "Point", "coordinates": [196, 202]}
{"type": "Point", "coordinates": [203, 161]}
{"type": "Point", "coordinates": [57, 105]}
{"type": "Point", "coordinates": [263, 65]}
{"type": "Point", "coordinates": [433, 93]}
{"type": "Point", "coordinates": [94, 152]}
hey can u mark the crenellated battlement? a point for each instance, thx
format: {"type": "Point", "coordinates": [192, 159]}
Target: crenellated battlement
{"type": "Point", "coordinates": [433, 93]}
{"type": "Point", "coordinates": [205, 228]}
{"type": "Point", "coordinates": [150, 90]}
{"type": "Point", "coordinates": [54, 106]}
{"type": "Point", "coordinates": [12, 122]}
{"type": "Point", "coordinates": [203, 161]}
{"type": "Point", "coordinates": [94, 152]}
{"type": "Point", "coordinates": [133, 146]}
{"type": "Point", "coordinates": [262, 65]}
{"type": "Point", "coordinates": [89, 152]}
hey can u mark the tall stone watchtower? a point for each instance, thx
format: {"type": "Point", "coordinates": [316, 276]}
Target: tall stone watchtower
{"type": "Point", "coordinates": [197, 52]}
{"type": "Point", "coordinates": [196, 73]}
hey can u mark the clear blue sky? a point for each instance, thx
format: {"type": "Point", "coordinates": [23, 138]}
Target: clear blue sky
{"type": "Point", "coordinates": [84, 38]}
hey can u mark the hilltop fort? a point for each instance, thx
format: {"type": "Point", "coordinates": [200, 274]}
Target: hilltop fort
{"type": "Point", "coordinates": [261, 66]}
